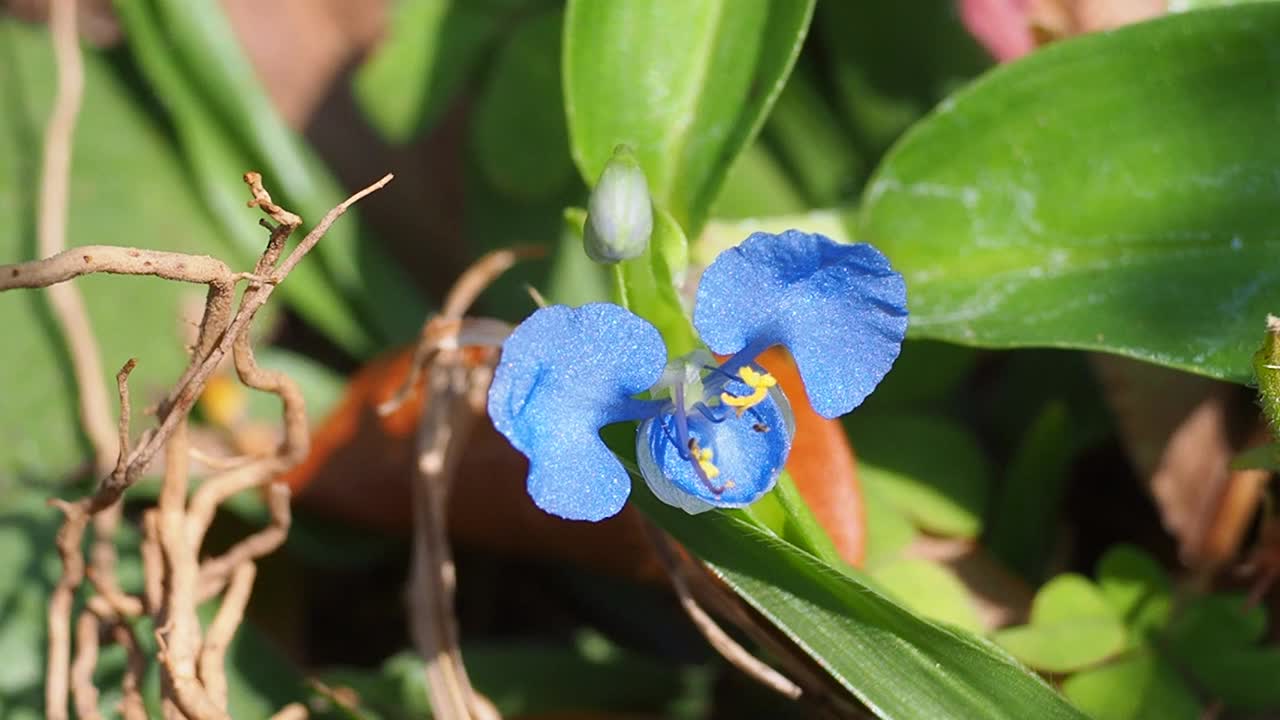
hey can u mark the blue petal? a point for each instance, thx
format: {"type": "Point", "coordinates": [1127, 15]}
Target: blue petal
{"type": "Point", "coordinates": [840, 309]}
{"type": "Point", "coordinates": [749, 451]}
{"type": "Point", "coordinates": [564, 374]}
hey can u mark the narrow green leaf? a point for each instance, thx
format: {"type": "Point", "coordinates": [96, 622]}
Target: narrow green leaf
{"type": "Point", "coordinates": [930, 590]}
{"type": "Point", "coordinates": [687, 85]}
{"type": "Point", "coordinates": [518, 133]}
{"type": "Point", "coordinates": [202, 50]}
{"type": "Point", "coordinates": [1025, 520]}
{"type": "Point", "coordinates": [217, 163]}
{"type": "Point", "coordinates": [801, 528]}
{"type": "Point", "coordinates": [898, 664]}
{"type": "Point", "coordinates": [811, 142]}
{"type": "Point", "coordinates": [1112, 192]}
{"type": "Point", "coordinates": [431, 48]}
{"type": "Point", "coordinates": [944, 488]}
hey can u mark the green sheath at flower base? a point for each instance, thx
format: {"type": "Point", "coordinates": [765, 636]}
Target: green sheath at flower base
{"type": "Point", "coordinates": [619, 212]}
{"type": "Point", "coordinates": [1266, 367]}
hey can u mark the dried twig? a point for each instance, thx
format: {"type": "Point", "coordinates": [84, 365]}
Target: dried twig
{"type": "Point", "coordinates": [213, 653]}
{"type": "Point", "coordinates": [728, 648]}
{"type": "Point", "coordinates": [82, 687]}
{"type": "Point", "coordinates": [215, 572]}
{"type": "Point", "coordinates": [457, 385]}
{"type": "Point", "coordinates": [192, 679]}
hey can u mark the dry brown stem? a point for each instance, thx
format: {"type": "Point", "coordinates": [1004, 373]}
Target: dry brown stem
{"type": "Point", "coordinates": [215, 572]}
{"type": "Point", "coordinates": [456, 392]}
{"type": "Point", "coordinates": [193, 684]}
{"type": "Point", "coordinates": [82, 687]}
{"type": "Point", "coordinates": [131, 704]}
{"type": "Point", "coordinates": [222, 629]}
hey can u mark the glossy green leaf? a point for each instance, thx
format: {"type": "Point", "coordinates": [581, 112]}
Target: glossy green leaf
{"type": "Point", "coordinates": [931, 468]}
{"type": "Point", "coordinates": [1072, 626]}
{"type": "Point", "coordinates": [127, 187]}
{"type": "Point", "coordinates": [898, 664]}
{"type": "Point", "coordinates": [930, 590]}
{"type": "Point", "coordinates": [1112, 192]}
{"type": "Point", "coordinates": [430, 49]}
{"type": "Point", "coordinates": [518, 132]}
{"type": "Point", "coordinates": [687, 85]}
{"type": "Point", "coordinates": [1141, 687]}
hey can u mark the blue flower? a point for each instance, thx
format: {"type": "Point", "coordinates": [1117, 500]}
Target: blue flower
{"type": "Point", "coordinates": [710, 435]}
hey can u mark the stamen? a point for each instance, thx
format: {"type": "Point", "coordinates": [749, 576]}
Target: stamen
{"type": "Point", "coordinates": [759, 382]}
{"type": "Point", "coordinates": [706, 470]}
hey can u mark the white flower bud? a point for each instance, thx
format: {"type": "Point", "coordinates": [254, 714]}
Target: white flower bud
{"type": "Point", "coordinates": [619, 212]}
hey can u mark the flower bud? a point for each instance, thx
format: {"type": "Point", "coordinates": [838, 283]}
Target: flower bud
{"type": "Point", "coordinates": [619, 212]}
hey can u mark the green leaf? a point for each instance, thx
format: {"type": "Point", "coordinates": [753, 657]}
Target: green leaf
{"type": "Point", "coordinates": [1242, 678]}
{"type": "Point", "coordinates": [929, 467]}
{"type": "Point", "coordinates": [930, 590]}
{"type": "Point", "coordinates": [811, 142]}
{"type": "Point", "coordinates": [1025, 520]}
{"type": "Point", "coordinates": [1136, 586]}
{"type": "Point", "coordinates": [879, 94]}
{"type": "Point", "coordinates": [1210, 625]}
{"type": "Point", "coordinates": [192, 57]}
{"type": "Point", "coordinates": [1071, 627]}
{"type": "Point", "coordinates": [519, 136]}
{"type": "Point", "coordinates": [1112, 192]}
{"type": "Point", "coordinates": [127, 187]}
{"type": "Point", "coordinates": [756, 186]}
{"type": "Point", "coordinates": [687, 85]}
{"type": "Point", "coordinates": [431, 48]}
{"type": "Point", "coordinates": [1140, 687]}
{"type": "Point", "coordinates": [646, 285]}
{"type": "Point", "coordinates": [800, 527]}
{"type": "Point", "coordinates": [216, 164]}
{"type": "Point", "coordinates": [898, 664]}
{"type": "Point", "coordinates": [889, 530]}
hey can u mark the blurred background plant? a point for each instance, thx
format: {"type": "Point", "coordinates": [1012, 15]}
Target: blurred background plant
{"type": "Point", "coordinates": [1054, 470]}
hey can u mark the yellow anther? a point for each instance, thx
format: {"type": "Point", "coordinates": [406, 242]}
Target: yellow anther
{"type": "Point", "coordinates": [702, 456]}
{"type": "Point", "coordinates": [759, 382]}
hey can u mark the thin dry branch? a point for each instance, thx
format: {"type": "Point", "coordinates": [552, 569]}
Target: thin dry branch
{"type": "Point", "coordinates": [456, 391]}
{"type": "Point", "coordinates": [174, 531]}
{"type": "Point", "coordinates": [720, 640]}
{"type": "Point", "coordinates": [214, 651]}
{"type": "Point", "coordinates": [131, 704]}
{"type": "Point", "coordinates": [82, 688]}
{"type": "Point", "coordinates": [215, 572]}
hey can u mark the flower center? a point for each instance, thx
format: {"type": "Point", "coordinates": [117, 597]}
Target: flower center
{"type": "Point", "coordinates": [701, 396]}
